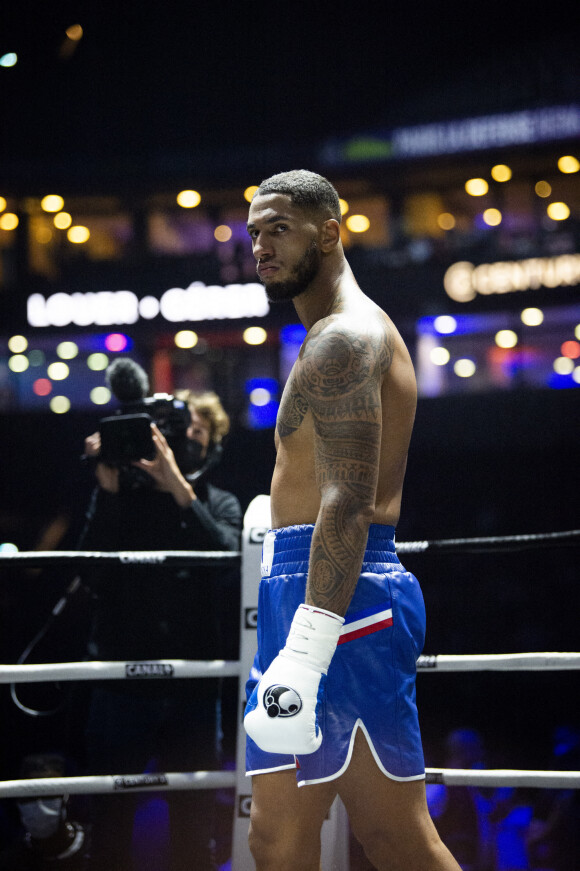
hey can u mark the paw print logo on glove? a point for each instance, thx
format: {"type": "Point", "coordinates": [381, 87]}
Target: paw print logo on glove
{"type": "Point", "coordinates": [282, 701]}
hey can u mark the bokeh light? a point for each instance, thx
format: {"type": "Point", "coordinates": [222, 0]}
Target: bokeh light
{"type": "Point", "coordinates": [439, 356]}
{"type": "Point", "coordinates": [59, 404]}
{"type": "Point", "coordinates": [506, 339]}
{"type": "Point", "coordinates": [476, 187]}
{"type": "Point", "coordinates": [563, 365]}
{"type": "Point", "coordinates": [543, 189]}
{"type": "Point", "coordinates": [62, 220]}
{"type": "Point", "coordinates": [570, 349]}
{"type": "Point", "coordinates": [52, 203]}
{"type": "Point", "coordinates": [58, 371]}
{"type": "Point", "coordinates": [558, 211]}
{"type": "Point", "coordinates": [17, 344]}
{"type": "Point", "coordinates": [223, 233]}
{"type": "Point", "coordinates": [567, 164]}
{"type": "Point", "coordinates": [188, 199]}
{"type": "Point", "coordinates": [18, 363]}
{"type": "Point", "coordinates": [67, 350]}
{"type": "Point", "coordinates": [445, 324]}
{"type": "Point", "coordinates": [97, 362]}
{"type": "Point", "coordinates": [501, 172]}
{"type": "Point", "coordinates": [255, 336]}
{"type": "Point", "coordinates": [78, 234]}
{"type": "Point", "coordinates": [492, 217]}
{"type": "Point", "coordinates": [532, 317]}
{"type": "Point", "coordinates": [186, 339]}
{"type": "Point", "coordinates": [100, 395]}
{"type": "Point", "coordinates": [116, 342]}
{"type": "Point", "coordinates": [250, 192]}
{"type": "Point", "coordinates": [446, 221]}
{"type": "Point", "coordinates": [8, 221]}
{"type": "Point", "coordinates": [464, 368]}
{"type": "Point", "coordinates": [358, 223]}
{"type": "Point", "coordinates": [260, 396]}
{"type": "Point", "coordinates": [344, 206]}
{"type": "Point", "coordinates": [42, 387]}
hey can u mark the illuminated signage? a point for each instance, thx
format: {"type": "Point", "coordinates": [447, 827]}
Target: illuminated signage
{"type": "Point", "coordinates": [463, 281]}
{"type": "Point", "coordinates": [453, 137]}
{"type": "Point", "coordinates": [107, 308]}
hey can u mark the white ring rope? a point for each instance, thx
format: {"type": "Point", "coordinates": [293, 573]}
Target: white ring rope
{"type": "Point", "coordinates": [503, 777]}
{"type": "Point", "coordinates": [134, 670]}
{"type": "Point", "coordinates": [116, 783]}
{"type": "Point", "coordinates": [186, 668]}
{"type": "Point", "coordinates": [500, 662]}
{"type": "Point", "coordinates": [165, 558]}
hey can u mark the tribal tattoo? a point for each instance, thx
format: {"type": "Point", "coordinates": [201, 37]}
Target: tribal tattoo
{"type": "Point", "coordinates": [338, 378]}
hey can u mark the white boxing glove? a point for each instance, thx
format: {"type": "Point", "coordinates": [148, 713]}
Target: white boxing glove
{"type": "Point", "coordinates": [282, 712]}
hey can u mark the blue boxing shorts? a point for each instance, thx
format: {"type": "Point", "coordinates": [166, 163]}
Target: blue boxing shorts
{"type": "Point", "coordinates": [371, 678]}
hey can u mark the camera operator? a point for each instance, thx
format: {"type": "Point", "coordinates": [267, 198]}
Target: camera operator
{"type": "Point", "coordinates": [145, 613]}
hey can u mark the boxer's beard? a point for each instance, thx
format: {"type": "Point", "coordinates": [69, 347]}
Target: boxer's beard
{"type": "Point", "coordinates": [300, 278]}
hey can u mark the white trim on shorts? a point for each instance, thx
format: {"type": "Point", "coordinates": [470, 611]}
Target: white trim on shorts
{"type": "Point", "coordinates": [358, 725]}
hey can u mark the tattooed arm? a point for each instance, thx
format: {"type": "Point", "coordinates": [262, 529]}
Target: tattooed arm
{"type": "Point", "coordinates": [340, 378]}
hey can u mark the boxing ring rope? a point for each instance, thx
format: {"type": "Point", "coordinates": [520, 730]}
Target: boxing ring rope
{"type": "Point", "coordinates": [256, 523]}
{"type": "Point", "coordinates": [115, 783]}
{"type": "Point", "coordinates": [179, 668]}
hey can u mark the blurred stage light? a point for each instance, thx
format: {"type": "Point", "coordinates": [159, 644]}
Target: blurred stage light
{"type": "Point", "coordinates": [74, 32]}
{"type": "Point", "coordinates": [59, 404]}
{"type": "Point", "coordinates": [97, 362]}
{"type": "Point", "coordinates": [543, 189]}
{"type": "Point", "coordinates": [563, 365]}
{"type": "Point", "coordinates": [8, 221]}
{"type": "Point", "coordinates": [78, 234]}
{"type": "Point", "coordinates": [186, 339]}
{"type": "Point", "coordinates": [17, 344]}
{"type": "Point", "coordinates": [476, 187]}
{"type": "Point", "coordinates": [344, 207]}
{"type": "Point", "coordinates": [568, 164]}
{"type": "Point", "coordinates": [58, 371]}
{"type": "Point", "coordinates": [188, 199]}
{"type": "Point", "coordinates": [223, 233]}
{"type": "Point", "coordinates": [116, 342]}
{"type": "Point", "coordinates": [558, 211]}
{"type": "Point", "coordinates": [492, 217]}
{"type": "Point", "coordinates": [445, 324]}
{"type": "Point", "coordinates": [260, 396]}
{"type": "Point", "coordinates": [100, 395]}
{"type": "Point", "coordinates": [67, 350]}
{"type": "Point", "coordinates": [570, 349]}
{"type": "Point", "coordinates": [18, 363]}
{"type": "Point", "coordinates": [10, 59]}
{"type": "Point", "coordinates": [501, 172]}
{"type": "Point", "coordinates": [506, 339]}
{"type": "Point", "coordinates": [42, 387]}
{"type": "Point", "coordinates": [464, 368]}
{"type": "Point", "coordinates": [255, 336]}
{"type": "Point", "coordinates": [358, 223]}
{"type": "Point", "coordinates": [52, 203]}
{"type": "Point", "coordinates": [3, 204]}
{"type": "Point", "coordinates": [62, 220]}
{"type": "Point", "coordinates": [532, 317]}
{"type": "Point", "coordinates": [249, 192]}
{"type": "Point", "coordinates": [439, 356]}
{"type": "Point", "coordinates": [446, 221]}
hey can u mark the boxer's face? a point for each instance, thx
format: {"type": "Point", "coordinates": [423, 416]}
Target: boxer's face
{"type": "Point", "coordinates": [284, 243]}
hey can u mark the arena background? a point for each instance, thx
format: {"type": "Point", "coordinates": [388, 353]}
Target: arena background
{"type": "Point", "coordinates": [156, 98]}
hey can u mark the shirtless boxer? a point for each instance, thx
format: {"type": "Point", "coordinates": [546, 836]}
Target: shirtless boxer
{"type": "Point", "coordinates": [340, 622]}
